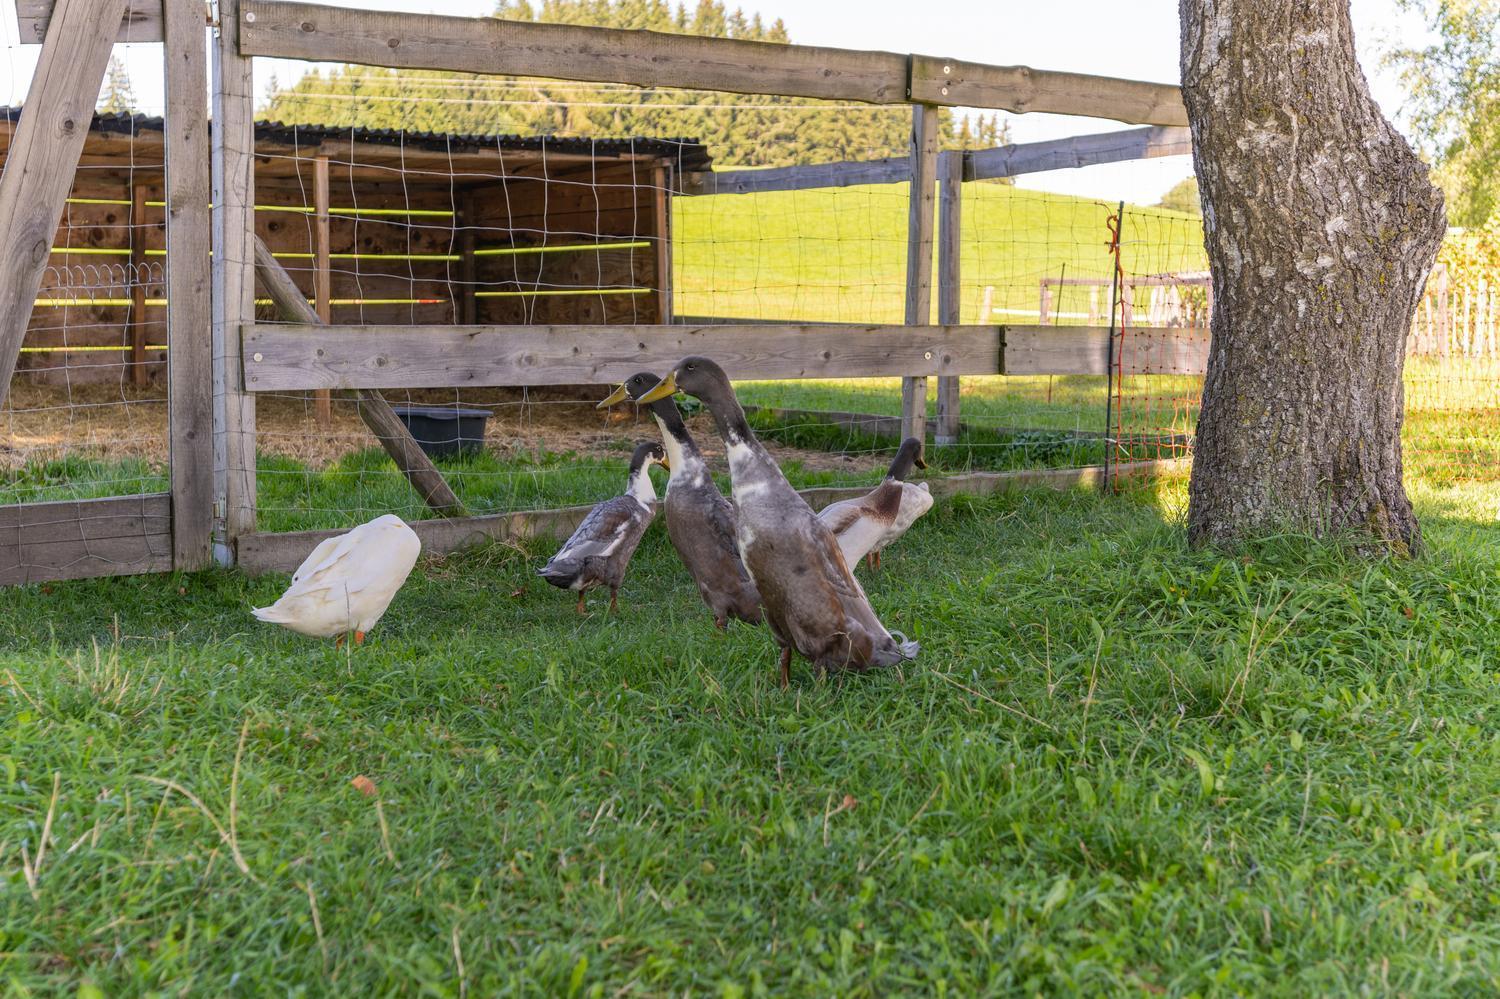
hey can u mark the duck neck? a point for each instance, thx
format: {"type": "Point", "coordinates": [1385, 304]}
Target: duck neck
{"type": "Point", "coordinates": [683, 455]}
{"type": "Point", "coordinates": [640, 487]}
{"type": "Point", "coordinates": [729, 417]}
{"type": "Point", "coordinates": [901, 467]}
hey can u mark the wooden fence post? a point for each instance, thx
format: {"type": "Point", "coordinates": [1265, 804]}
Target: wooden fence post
{"type": "Point", "coordinates": [190, 403]}
{"type": "Point", "coordinates": [950, 233]}
{"type": "Point", "coordinates": [233, 170]}
{"type": "Point", "coordinates": [661, 180]}
{"type": "Point", "coordinates": [920, 218]}
{"type": "Point", "coordinates": [43, 158]}
{"type": "Point", "coordinates": [322, 272]}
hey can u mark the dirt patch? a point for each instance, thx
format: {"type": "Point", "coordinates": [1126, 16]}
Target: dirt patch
{"type": "Point", "coordinates": [43, 423]}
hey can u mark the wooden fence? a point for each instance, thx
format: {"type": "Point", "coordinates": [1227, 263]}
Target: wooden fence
{"type": "Point", "coordinates": [213, 479]}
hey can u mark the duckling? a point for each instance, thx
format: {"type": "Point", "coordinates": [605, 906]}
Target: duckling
{"type": "Point", "coordinates": [810, 599]}
{"type": "Point", "coordinates": [599, 551]}
{"type": "Point", "coordinates": [867, 524]}
{"type": "Point", "coordinates": [348, 581]}
{"type": "Point", "coordinates": [700, 521]}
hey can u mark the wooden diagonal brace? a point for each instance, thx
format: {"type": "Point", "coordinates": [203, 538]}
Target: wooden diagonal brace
{"type": "Point", "coordinates": [373, 409]}
{"type": "Point", "coordinates": [43, 157]}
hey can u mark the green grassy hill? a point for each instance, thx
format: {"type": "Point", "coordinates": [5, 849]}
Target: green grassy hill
{"type": "Point", "coordinates": [839, 254]}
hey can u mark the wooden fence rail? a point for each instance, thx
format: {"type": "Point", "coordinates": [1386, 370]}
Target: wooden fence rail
{"type": "Point", "coordinates": [291, 358]}
{"type": "Point", "coordinates": [279, 29]}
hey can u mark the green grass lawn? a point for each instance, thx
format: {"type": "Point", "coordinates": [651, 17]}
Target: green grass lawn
{"type": "Point", "coordinates": [1118, 767]}
{"type": "Point", "coordinates": [839, 255]}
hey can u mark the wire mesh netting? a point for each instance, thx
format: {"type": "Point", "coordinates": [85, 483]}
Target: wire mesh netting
{"type": "Point", "coordinates": [86, 412]}
{"type": "Point", "coordinates": [573, 218]}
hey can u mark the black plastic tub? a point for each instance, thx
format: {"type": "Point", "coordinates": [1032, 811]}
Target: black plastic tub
{"type": "Point", "coordinates": [444, 431]}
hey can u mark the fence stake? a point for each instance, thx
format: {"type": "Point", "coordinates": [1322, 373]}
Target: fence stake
{"type": "Point", "coordinates": [950, 232]}
{"type": "Point", "coordinates": [322, 272]}
{"type": "Point", "coordinates": [233, 171]}
{"type": "Point", "coordinates": [920, 219]}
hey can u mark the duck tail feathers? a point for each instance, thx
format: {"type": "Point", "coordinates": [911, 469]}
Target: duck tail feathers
{"type": "Point", "coordinates": [560, 574]}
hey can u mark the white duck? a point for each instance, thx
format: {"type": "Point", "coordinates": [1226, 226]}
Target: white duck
{"type": "Point", "coordinates": [348, 581]}
{"type": "Point", "coordinates": [867, 524]}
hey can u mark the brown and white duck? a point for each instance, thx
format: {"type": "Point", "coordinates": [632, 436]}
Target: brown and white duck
{"type": "Point", "coordinates": [599, 552]}
{"type": "Point", "coordinates": [700, 521]}
{"type": "Point", "coordinates": [868, 523]}
{"type": "Point", "coordinates": [810, 598]}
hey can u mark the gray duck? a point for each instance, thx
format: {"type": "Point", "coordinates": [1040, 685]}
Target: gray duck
{"type": "Point", "coordinates": [700, 521]}
{"type": "Point", "coordinates": [811, 600]}
{"type": "Point", "coordinates": [866, 524]}
{"type": "Point", "coordinates": [599, 552]}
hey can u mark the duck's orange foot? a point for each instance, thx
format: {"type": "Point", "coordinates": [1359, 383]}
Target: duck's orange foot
{"type": "Point", "coordinates": [359, 638]}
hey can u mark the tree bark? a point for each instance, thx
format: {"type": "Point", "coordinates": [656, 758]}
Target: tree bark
{"type": "Point", "coordinates": [1321, 226]}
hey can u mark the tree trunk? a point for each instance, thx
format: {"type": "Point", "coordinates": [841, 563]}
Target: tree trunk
{"type": "Point", "coordinates": [1320, 225]}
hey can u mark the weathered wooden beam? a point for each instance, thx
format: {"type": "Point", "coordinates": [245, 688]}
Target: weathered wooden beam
{"type": "Point", "coordinates": [298, 358]}
{"type": "Point", "coordinates": [75, 539]}
{"type": "Point", "coordinates": [1084, 350]}
{"type": "Point", "coordinates": [383, 422]}
{"type": "Point", "coordinates": [141, 22]}
{"type": "Point", "coordinates": [43, 156]}
{"type": "Point", "coordinates": [980, 164]}
{"type": "Point", "coordinates": [950, 233]}
{"type": "Point", "coordinates": [657, 59]}
{"type": "Point", "coordinates": [1078, 151]}
{"type": "Point", "coordinates": [920, 222]}
{"type": "Point", "coordinates": [190, 401]}
{"type": "Point", "coordinates": [263, 553]}
{"type": "Point", "coordinates": [850, 173]}
{"type": "Point", "coordinates": [233, 213]}
{"type": "Point", "coordinates": [954, 83]}
{"type": "Point", "coordinates": [567, 52]}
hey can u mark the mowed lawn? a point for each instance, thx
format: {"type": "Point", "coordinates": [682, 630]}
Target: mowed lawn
{"type": "Point", "coordinates": [1118, 767]}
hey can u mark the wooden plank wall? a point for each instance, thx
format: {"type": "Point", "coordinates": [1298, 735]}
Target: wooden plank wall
{"type": "Point", "coordinates": [615, 203]}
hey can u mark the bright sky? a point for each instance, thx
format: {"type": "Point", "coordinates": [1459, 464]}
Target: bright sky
{"type": "Point", "coordinates": [1106, 37]}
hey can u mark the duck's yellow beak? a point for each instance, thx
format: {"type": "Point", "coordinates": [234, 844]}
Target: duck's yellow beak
{"type": "Point", "coordinates": [667, 386]}
{"type": "Point", "coordinates": [665, 463]}
{"type": "Point", "coordinates": [918, 459]}
{"type": "Point", "coordinates": [618, 395]}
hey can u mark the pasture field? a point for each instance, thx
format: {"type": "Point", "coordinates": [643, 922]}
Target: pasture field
{"type": "Point", "coordinates": [839, 254]}
{"type": "Point", "coordinates": [1119, 766]}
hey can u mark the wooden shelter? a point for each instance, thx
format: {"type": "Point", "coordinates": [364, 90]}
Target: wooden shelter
{"type": "Point", "coordinates": [376, 227]}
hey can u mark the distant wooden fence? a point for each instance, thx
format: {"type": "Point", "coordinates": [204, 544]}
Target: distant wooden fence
{"type": "Point", "coordinates": [1457, 320]}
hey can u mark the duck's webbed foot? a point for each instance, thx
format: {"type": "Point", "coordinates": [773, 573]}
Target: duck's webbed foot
{"type": "Point", "coordinates": [786, 666]}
